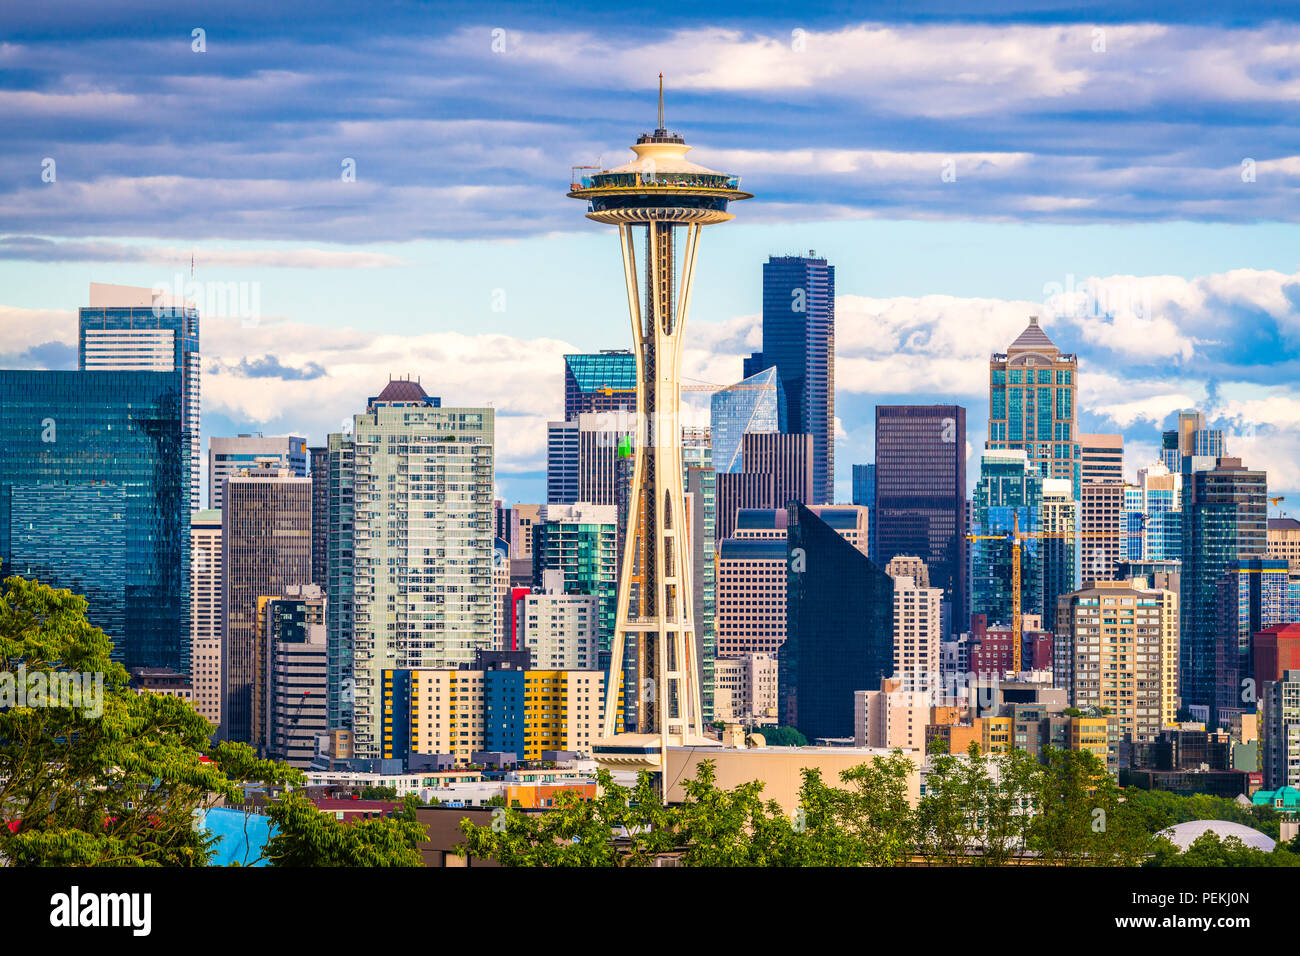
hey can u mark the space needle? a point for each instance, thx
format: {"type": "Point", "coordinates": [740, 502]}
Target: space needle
{"type": "Point", "coordinates": [649, 199]}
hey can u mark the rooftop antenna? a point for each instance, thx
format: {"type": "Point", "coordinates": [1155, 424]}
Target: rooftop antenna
{"type": "Point", "coordinates": [662, 128]}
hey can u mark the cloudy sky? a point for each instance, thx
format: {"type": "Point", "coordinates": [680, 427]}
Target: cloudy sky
{"type": "Point", "coordinates": [386, 184]}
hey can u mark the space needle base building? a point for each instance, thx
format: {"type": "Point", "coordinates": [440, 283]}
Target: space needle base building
{"type": "Point", "coordinates": [649, 200]}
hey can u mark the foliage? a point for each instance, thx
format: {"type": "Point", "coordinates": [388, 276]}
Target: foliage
{"type": "Point", "coordinates": [306, 837]}
{"type": "Point", "coordinates": [1159, 809]}
{"type": "Point", "coordinates": [375, 792]}
{"type": "Point", "coordinates": [1208, 850]}
{"type": "Point", "coordinates": [782, 737]}
{"type": "Point", "coordinates": [119, 788]}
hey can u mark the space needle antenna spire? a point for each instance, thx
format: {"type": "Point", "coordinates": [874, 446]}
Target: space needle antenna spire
{"type": "Point", "coordinates": [662, 126]}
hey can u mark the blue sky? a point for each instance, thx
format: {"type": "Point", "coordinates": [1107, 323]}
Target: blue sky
{"type": "Point", "coordinates": [1130, 174]}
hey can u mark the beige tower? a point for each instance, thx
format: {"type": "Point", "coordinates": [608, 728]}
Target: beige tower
{"type": "Point", "coordinates": [649, 199]}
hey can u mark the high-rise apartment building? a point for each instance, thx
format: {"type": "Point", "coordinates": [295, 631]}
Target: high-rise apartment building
{"type": "Point", "coordinates": [745, 688]}
{"type": "Point", "coordinates": [411, 562]}
{"type": "Point", "coordinates": [560, 630]}
{"type": "Point", "coordinates": [266, 548]}
{"type": "Point", "coordinates": [229, 456]}
{"type": "Point", "coordinates": [920, 495]}
{"type": "Point", "coordinates": [1224, 521]}
{"type": "Point", "coordinates": [756, 404]}
{"type": "Point", "coordinates": [205, 613]}
{"type": "Point", "coordinates": [778, 469]}
{"type": "Point", "coordinates": [1117, 647]}
{"type": "Point", "coordinates": [319, 458]}
{"type": "Point", "coordinates": [1032, 407]}
{"type": "Point", "coordinates": [95, 497]}
{"type": "Point", "coordinates": [578, 542]}
{"type": "Point", "coordinates": [603, 381]}
{"type": "Point", "coordinates": [918, 630]}
{"type": "Point", "coordinates": [799, 341]}
{"type": "Point", "coordinates": [132, 329]}
{"type": "Point", "coordinates": [1274, 650]}
{"type": "Point", "coordinates": [699, 484]}
{"type": "Point", "coordinates": [895, 716]}
{"type": "Point", "coordinates": [839, 628]}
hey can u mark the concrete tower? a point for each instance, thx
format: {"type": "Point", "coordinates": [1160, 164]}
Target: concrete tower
{"type": "Point", "coordinates": [648, 199]}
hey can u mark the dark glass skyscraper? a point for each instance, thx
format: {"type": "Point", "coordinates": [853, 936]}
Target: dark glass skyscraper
{"type": "Point", "coordinates": [799, 340]}
{"type": "Point", "coordinates": [839, 628]}
{"type": "Point", "coordinates": [1224, 522]}
{"type": "Point", "coordinates": [920, 506]}
{"type": "Point", "coordinates": [95, 498]}
{"type": "Point", "coordinates": [132, 329]}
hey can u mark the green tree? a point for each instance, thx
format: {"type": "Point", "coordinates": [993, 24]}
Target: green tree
{"type": "Point", "coordinates": [1081, 819]}
{"type": "Point", "coordinates": [306, 837]}
{"type": "Point", "coordinates": [782, 736]}
{"type": "Point", "coordinates": [375, 792]}
{"type": "Point", "coordinates": [114, 782]}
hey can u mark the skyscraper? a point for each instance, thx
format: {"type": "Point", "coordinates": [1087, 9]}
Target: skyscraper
{"type": "Point", "coordinates": [778, 469]}
{"type": "Point", "coordinates": [413, 568]}
{"type": "Point", "coordinates": [1224, 521]}
{"type": "Point", "coordinates": [205, 613]}
{"type": "Point", "coordinates": [320, 514]}
{"type": "Point", "coordinates": [131, 329]}
{"type": "Point", "coordinates": [839, 628]}
{"type": "Point", "coordinates": [920, 504]}
{"type": "Point", "coordinates": [95, 497]}
{"type": "Point", "coordinates": [1009, 492]}
{"type": "Point", "coordinates": [1060, 557]}
{"type": "Point", "coordinates": [756, 404]}
{"type": "Point", "coordinates": [1102, 510]}
{"type": "Point", "coordinates": [266, 547]}
{"type": "Point", "coordinates": [293, 629]}
{"type": "Point", "coordinates": [604, 381]}
{"type": "Point", "coordinates": [864, 493]}
{"type": "Point", "coordinates": [229, 456]}
{"type": "Point", "coordinates": [799, 341]}
{"type": "Point", "coordinates": [1190, 436]}
{"type": "Point", "coordinates": [1032, 408]}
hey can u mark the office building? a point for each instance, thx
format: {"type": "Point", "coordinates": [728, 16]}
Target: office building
{"type": "Point", "coordinates": [1275, 650]}
{"type": "Point", "coordinates": [1117, 648]}
{"type": "Point", "coordinates": [95, 498]}
{"type": "Point", "coordinates": [1060, 556]}
{"type": "Point", "coordinates": [864, 493]}
{"type": "Point", "coordinates": [1279, 731]}
{"type": "Point", "coordinates": [1102, 457]}
{"type": "Point", "coordinates": [1032, 406]}
{"type": "Point", "coordinates": [266, 548]}
{"type": "Point", "coordinates": [205, 614]}
{"type": "Point", "coordinates": [1252, 595]}
{"type": "Point", "coordinates": [756, 404]}
{"type": "Point", "coordinates": [699, 483]}
{"type": "Point", "coordinates": [415, 574]}
{"type": "Point", "coordinates": [561, 462]}
{"type": "Point", "coordinates": [1102, 505]}
{"type": "Point", "coordinates": [920, 495]}
{"type": "Point", "coordinates": [229, 456]}
{"type": "Point", "coordinates": [745, 689]}
{"type": "Point", "coordinates": [1190, 437]}
{"type": "Point", "coordinates": [799, 341]}
{"type": "Point", "coordinates": [777, 469]}
{"type": "Point", "coordinates": [1224, 521]}
{"type": "Point", "coordinates": [603, 381]}
{"type": "Point", "coordinates": [1153, 525]}
{"type": "Point", "coordinates": [1283, 541]}
{"type": "Point", "coordinates": [296, 713]}
{"type": "Point", "coordinates": [894, 716]}
{"type": "Point", "coordinates": [133, 329]}
{"type": "Point", "coordinates": [839, 628]}
{"type": "Point", "coordinates": [1008, 496]}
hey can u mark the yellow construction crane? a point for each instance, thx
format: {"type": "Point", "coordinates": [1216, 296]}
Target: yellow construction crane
{"type": "Point", "coordinates": [1015, 536]}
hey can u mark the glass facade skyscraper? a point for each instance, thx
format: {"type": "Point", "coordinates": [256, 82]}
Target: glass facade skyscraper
{"type": "Point", "coordinates": [1010, 490]}
{"type": "Point", "coordinates": [1032, 408]}
{"type": "Point", "coordinates": [839, 628]}
{"type": "Point", "coordinates": [579, 541]}
{"type": "Point", "coordinates": [599, 382]}
{"type": "Point", "coordinates": [756, 404]}
{"type": "Point", "coordinates": [1224, 522]}
{"type": "Point", "coordinates": [920, 503]}
{"type": "Point", "coordinates": [95, 498]}
{"type": "Point", "coordinates": [799, 341]}
{"type": "Point", "coordinates": [132, 329]}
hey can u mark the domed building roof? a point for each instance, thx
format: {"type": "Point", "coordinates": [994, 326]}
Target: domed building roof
{"type": "Point", "coordinates": [402, 390]}
{"type": "Point", "coordinates": [1183, 835]}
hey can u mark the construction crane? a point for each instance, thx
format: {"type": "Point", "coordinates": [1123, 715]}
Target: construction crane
{"type": "Point", "coordinates": [1016, 536]}
{"type": "Point", "coordinates": [1276, 501]}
